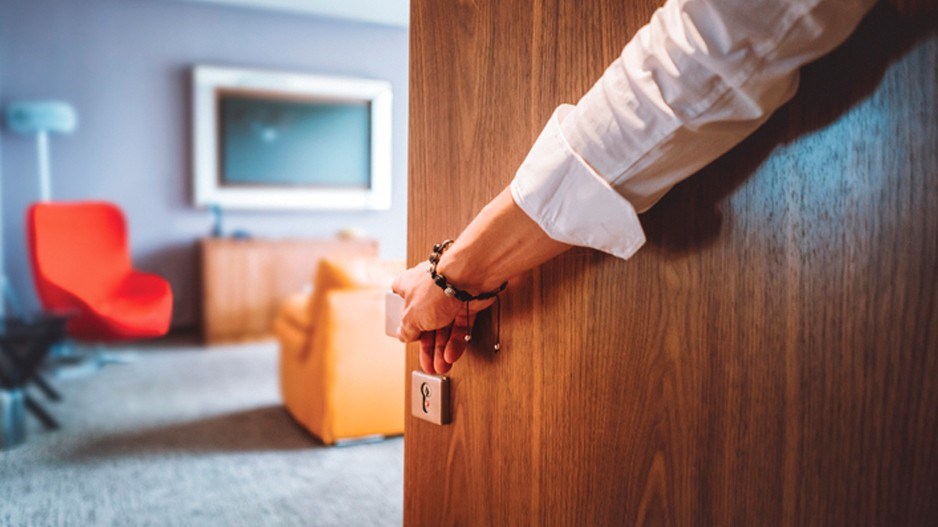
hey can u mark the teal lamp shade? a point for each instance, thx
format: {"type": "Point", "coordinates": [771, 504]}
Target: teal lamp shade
{"type": "Point", "coordinates": [42, 118]}
{"type": "Point", "coordinates": [33, 117]}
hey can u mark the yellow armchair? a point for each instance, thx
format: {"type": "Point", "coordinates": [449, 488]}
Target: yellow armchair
{"type": "Point", "coordinates": [341, 377]}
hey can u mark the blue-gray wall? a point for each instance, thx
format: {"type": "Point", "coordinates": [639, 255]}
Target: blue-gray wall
{"type": "Point", "coordinates": [124, 65]}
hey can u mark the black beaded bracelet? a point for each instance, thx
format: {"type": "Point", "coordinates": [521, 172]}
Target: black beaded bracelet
{"type": "Point", "coordinates": [448, 288]}
{"type": "Point", "coordinates": [464, 296]}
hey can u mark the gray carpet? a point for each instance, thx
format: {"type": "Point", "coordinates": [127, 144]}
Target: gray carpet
{"type": "Point", "coordinates": [189, 436]}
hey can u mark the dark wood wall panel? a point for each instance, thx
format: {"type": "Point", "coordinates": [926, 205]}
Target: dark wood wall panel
{"type": "Point", "coordinates": [770, 357]}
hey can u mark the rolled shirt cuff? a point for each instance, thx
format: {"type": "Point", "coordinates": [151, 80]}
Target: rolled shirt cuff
{"type": "Point", "coordinates": [557, 189]}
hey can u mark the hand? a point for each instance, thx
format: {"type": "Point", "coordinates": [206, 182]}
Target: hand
{"type": "Point", "coordinates": [439, 322]}
{"type": "Point", "coordinates": [499, 244]}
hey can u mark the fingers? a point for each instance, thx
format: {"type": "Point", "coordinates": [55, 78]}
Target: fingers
{"type": "Point", "coordinates": [396, 286]}
{"type": "Point", "coordinates": [408, 333]}
{"type": "Point", "coordinates": [456, 345]}
{"type": "Point", "coordinates": [439, 363]}
{"type": "Point", "coordinates": [427, 343]}
{"type": "Point", "coordinates": [457, 342]}
{"type": "Point", "coordinates": [433, 345]}
{"type": "Point", "coordinates": [432, 348]}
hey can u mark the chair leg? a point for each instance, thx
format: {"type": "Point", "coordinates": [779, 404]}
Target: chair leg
{"type": "Point", "coordinates": [46, 388]}
{"type": "Point", "coordinates": [84, 359]}
{"type": "Point", "coordinates": [47, 420]}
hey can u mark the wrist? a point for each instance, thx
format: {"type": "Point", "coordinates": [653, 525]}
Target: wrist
{"type": "Point", "coordinates": [474, 283]}
{"type": "Point", "coordinates": [470, 275]}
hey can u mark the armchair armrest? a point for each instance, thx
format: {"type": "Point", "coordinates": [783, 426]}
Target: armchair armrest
{"type": "Point", "coordinates": [364, 368]}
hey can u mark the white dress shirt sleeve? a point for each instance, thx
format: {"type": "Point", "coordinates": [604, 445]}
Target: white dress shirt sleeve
{"type": "Point", "coordinates": [695, 81]}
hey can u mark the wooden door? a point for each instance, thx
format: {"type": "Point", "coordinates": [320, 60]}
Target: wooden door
{"type": "Point", "coordinates": [771, 355]}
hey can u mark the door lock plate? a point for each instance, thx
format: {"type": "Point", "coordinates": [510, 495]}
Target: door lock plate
{"type": "Point", "coordinates": [430, 397]}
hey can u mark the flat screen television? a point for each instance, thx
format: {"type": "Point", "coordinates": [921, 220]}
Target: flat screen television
{"type": "Point", "coordinates": [268, 140]}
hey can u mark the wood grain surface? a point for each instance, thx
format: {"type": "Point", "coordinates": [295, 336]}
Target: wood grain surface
{"type": "Point", "coordinates": [245, 281]}
{"type": "Point", "coordinates": [769, 358]}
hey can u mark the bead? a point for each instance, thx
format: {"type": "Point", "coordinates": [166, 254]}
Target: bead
{"type": "Point", "coordinates": [436, 247]}
{"type": "Point", "coordinates": [449, 291]}
{"type": "Point", "coordinates": [467, 338]}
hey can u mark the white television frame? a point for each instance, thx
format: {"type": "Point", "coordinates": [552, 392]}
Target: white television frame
{"type": "Point", "coordinates": [207, 187]}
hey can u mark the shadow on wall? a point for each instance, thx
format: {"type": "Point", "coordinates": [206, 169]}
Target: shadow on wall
{"type": "Point", "coordinates": [684, 222]}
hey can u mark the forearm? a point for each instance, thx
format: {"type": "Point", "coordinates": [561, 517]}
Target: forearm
{"type": "Point", "coordinates": [500, 243]}
{"type": "Point", "coordinates": [691, 84]}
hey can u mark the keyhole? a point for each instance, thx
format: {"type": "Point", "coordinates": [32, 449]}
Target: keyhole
{"type": "Point", "coordinates": [425, 390]}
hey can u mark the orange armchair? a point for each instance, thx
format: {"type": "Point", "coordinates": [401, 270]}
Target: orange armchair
{"type": "Point", "coordinates": [341, 377]}
{"type": "Point", "coordinates": [81, 265]}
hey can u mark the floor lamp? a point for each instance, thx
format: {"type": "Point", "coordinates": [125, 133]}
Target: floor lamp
{"type": "Point", "coordinates": [38, 118]}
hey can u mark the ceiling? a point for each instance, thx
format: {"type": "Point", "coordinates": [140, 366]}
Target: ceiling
{"type": "Point", "coordinates": [386, 12]}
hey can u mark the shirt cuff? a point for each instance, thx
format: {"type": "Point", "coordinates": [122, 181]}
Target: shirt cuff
{"type": "Point", "coordinates": [569, 201]}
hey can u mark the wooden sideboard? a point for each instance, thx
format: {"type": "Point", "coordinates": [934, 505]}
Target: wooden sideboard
{"type": "Point", "coordinates": [244, 281]}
